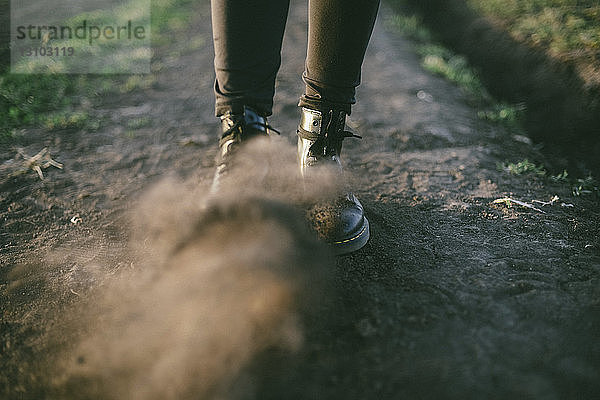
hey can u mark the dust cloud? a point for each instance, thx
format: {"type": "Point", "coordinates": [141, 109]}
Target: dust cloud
{"type": "Point", "coordinates": [217, 281]}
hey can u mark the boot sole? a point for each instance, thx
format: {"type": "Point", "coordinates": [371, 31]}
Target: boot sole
{"type": "Point", "coordinates": [354, 243]}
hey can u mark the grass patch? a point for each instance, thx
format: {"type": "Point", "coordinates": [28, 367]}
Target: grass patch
{"type": "Point", "coordinates": [562, 177]}
{"type": "Point", "coordinates": [437, 58]}
{"type": "Point", "coordinates": [65, 120]}
{"type": "Point", "coordinates": [567, 30]}
{"type": "Point", "coordinates": [104, 55]}
{"type": "Point", "coordinates": [454, 67]}
{"type": "Point", "coordinates": [138, 123]}
{"type": "Point", "coordinates": [24, 99]}
{"type": "Point", "coordinates": [579, 186]}
{"type": "Point", "coordinates": [45, 97]}
{"type": "Point", "coordinates": [508, 114]}
{"type": "Point", "coordinates": [586, 186]}
{"type": "Point", "coordinates": [522, 167]}
{"type": "Point", "coordinates": [136, 82]}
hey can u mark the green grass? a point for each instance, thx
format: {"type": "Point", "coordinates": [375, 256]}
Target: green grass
{"type": "Point", "coordinates": [136, 82]}
{"type": "Point", "coordinates": [68, 120]}
{"type": "Point", "coordinates": [24, 98]}
{"type": "Point", "coordinates": [46, 98]}
{"type": "Point", "coordinates": [567, 30]}
{"type": "Point", "coordinates": [587, 186]}
{"type": "Point", "coordinates": [455, 68]}
{"type": "Point", "coordinates": [138, 123]}
{"type": "Point", "coordinates": [562, 177]}
{"type": "Point", "coordinates": [509, 115]}
{"type": "Point", "coordinates": [98, 56]}
{"type": "Point", "coordinates": [503, 112]}
{"type": "Point", "coordinates": [522, 168]}
{"type": "Point", "coordinates": [437, 58]}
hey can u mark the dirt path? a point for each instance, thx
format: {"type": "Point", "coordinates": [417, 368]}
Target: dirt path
{"type": "Point", "coordinates": [454, 296]}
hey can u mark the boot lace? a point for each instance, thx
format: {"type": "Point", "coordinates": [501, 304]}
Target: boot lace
{"type": "Point", "coordinates": [240, 123]}
{"type": "Point", "coordinates": [333, 143]}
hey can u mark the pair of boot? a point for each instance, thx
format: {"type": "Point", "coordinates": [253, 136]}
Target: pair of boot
{"type": "Point", "coordinates": [341, 222]}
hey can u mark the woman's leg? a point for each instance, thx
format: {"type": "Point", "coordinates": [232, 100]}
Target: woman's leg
{"type": "Point", "coordinates": [338, 34]}
{"type": "Point", "coordinates": [247, 38]}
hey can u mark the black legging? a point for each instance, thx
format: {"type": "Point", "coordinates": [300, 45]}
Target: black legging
{"type": "Point", "coordinates": [248, 36]}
